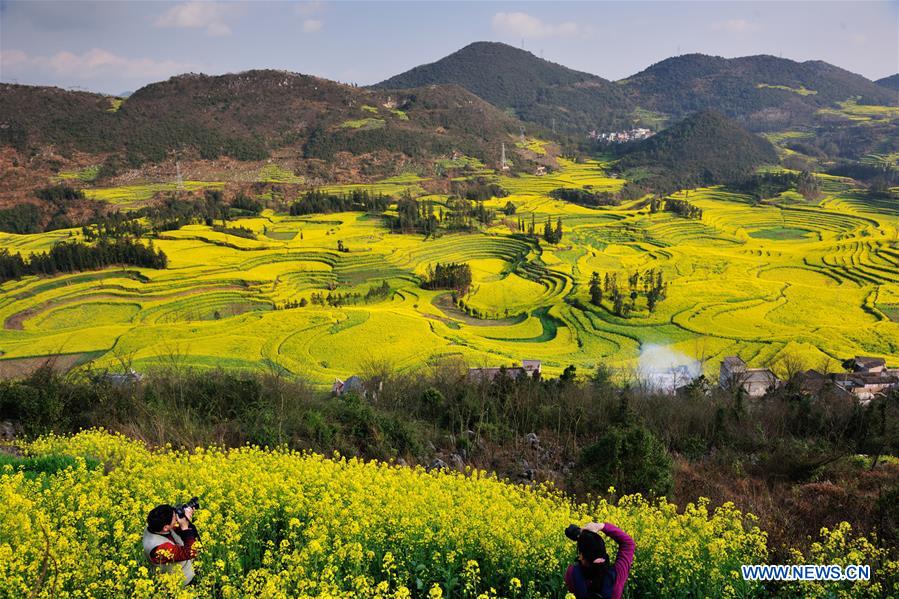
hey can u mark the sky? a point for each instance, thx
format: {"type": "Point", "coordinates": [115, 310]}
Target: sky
{"type": "Point", "coordinates": [119, 46]}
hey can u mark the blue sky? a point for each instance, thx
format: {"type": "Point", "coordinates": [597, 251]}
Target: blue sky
{"type": "Point", "coordinates": [117, 46]}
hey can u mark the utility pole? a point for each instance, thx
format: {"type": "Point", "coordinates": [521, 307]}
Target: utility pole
{"type": "Point", "coordinates": [178, 170]}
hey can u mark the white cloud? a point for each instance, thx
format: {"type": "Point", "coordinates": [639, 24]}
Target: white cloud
{"type": "Point", "coordinates": [312, 25]}
{"type": "Point", "coordinates": [91, 64]}
{"type": "Point", "coordinates": [735, 26]}
{"type": "Point", "coordinates": [307, 9]}
{"type": "Point", "coordinates": [523, 25]}
{"type": "Point", "coordinates": [199, 14]}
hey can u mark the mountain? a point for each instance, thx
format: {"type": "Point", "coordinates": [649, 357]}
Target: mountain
{"type": "Point", "coordinates": [891, 82]}
{"type": "Point", "coordinates": [248, 115]}
{"type": "Point", "coordinates": [765, 92]}
{"type": "Point", "coordinates": [534, 89]}
{"type": "Point", "coordinates": [706, 148]}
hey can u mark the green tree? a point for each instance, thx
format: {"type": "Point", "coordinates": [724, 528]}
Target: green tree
{"type": "Point", "coordinates": [628, 457]}
{"type": "Point", "coordinates": [595, 290]}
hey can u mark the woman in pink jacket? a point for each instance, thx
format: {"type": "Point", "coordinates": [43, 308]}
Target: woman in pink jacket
{"type": "Point", "coordinates": [593, 576]}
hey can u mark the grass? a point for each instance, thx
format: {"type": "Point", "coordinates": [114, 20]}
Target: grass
{"type": "Point", "coordinates": [802, 91]}
{"type": "Point", "coordinates": [854, 111]}
{"type": "Point", "coordinates": [462, 162]}
{"type": "Point", "coordinates": [537, 146]}
{"type": "Point", "coordinates": [134, 196]}
{"type": "Point", "coordinates": [762, 282]}
{"type": "Point", "coordinates": [781, 233]}
{"type": "Point", "coordinates": [274, 173]}
{"type": "Point", "coordinates": [87, 174]}
{"type": "Point", "coordinates": [366, 123]}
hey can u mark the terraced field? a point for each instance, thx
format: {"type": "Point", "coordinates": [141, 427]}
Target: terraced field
{"type": "Point", "coordinates": [816, 281]}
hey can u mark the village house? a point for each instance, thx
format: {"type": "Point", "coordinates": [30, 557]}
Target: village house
{"type": "Point", "coordinates": [527, 368]}
{"type": "Point", "coordinates": [131, 377]}
{"type": "Point", "coordinates": [755, 382]}
{"type": "Point", "coordinates": [868, 378]}
{"type": "Point", "coordinates": [355, 384]}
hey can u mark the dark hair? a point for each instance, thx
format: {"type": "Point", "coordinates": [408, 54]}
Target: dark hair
{"type": "Point", "coordinates": [159, 517]}
{"type": "Point", "coordinates": [591, 546]}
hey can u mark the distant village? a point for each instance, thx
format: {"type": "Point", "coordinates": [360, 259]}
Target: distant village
{"type": "Point", "coordinates": [867, 378]}
{"type": "Point", "coordinates": [618, 137]}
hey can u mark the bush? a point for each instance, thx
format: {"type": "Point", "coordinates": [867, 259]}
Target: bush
{"type": "Point", "coordinates": [628, 457]}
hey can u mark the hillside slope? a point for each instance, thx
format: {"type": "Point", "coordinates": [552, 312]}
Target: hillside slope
{"type": "Point", "coordinates": [703, 149]}
{"type": "Point", "coordinates": [891, 82]}
{"type": "Point", "coordinates": [536, 90]}
{"type": "Point", "coordinates": [762, 90]}
{"type": "Point", "coordinates": [247, 115]}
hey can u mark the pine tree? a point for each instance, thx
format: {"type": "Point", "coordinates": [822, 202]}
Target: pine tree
{"type": "Point", "coordinates": [595, 290]}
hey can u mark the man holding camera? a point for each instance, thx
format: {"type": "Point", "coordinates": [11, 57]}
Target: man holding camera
{"type": "Point", "coordinates": [169, 538]}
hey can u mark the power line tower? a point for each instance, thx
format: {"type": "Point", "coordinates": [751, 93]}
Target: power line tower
{"type": "Point", "coordinates": [522, 132]}
{"type": "Point", "coordinates": [554, 125]}
{"type": "Point", "coordinates": [502, 160]}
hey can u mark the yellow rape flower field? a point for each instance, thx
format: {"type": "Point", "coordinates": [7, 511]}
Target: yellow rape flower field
{"type": "Point", "coordinates": [287, 524]}
{"type": "Point", "coordinates": [814, 281]}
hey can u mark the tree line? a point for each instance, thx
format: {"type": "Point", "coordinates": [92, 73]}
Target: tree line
{"type": "Point", "coordinates": [455, 276]}
{"type": "Point", "coordinates": [332, 299]}
{"type": "Point", "coordinates": [683, 208]}
{"type": "Point", "coordinates": [415, 216]}
{"type": "Point", "coordinates": [551, 234]}
{"type": "Point", "coordinates": [74, 256]}
{"type": "Point", "coordinates": [650, 283]}
{"type": "Point", "coordinates": [361, 200]}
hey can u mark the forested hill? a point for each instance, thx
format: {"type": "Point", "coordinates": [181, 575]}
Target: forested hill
{"type": "Point", "coordinates": [703, 149]}
{"type": "Point", "coordinates": [891, 82]}
{"type": "Point", "coordinates": [535, 89]}
{"type": "Point", "coordinates": [763, 90]}
{"type": "Point", "coordinates": [247, 115]}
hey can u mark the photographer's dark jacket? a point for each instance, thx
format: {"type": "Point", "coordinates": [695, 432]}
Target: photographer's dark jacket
{"type": "Point", "coordinates": [611, 586]}
{"type": "Point", "coordinates": [172, 550]}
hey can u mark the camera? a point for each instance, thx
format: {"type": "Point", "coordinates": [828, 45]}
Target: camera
{"type": "Point", "coordinates": [573, 531]}
{"type": "Point", "coordinates": [194, 503]}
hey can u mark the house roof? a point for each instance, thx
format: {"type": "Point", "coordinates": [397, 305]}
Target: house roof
{"type": "Point", "coordinates": [734, 361]}
{"type": "Point", "coordinates": [869, 361]}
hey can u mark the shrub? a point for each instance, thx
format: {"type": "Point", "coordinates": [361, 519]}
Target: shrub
{"type": "Point", "coordinates": [629, 458]}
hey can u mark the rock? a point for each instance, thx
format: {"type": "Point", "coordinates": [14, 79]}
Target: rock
{"type": "Point", "coordinates": [532, 439]}
{"type": "Point", "coordinates": [457, 462]}
{"type": "Point", "coordinates": [401, 462]}
{"type": "Point", "coordinates": [7, 431]}
{"type": "Point", "coordinates": [437, 464]}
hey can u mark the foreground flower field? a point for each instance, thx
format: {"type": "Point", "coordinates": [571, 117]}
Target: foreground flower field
{"type": "Point", "coordinates": [285, 524]}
